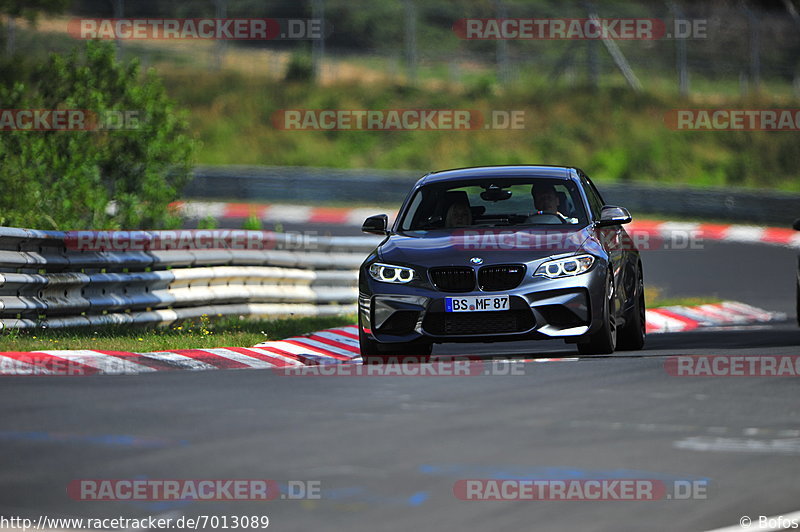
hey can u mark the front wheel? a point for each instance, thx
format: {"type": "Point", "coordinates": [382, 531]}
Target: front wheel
{"type": "Point", "coordinates": [368, 348]}
{"type": "Point", "coordinates": [604, 341]}
{"type": "Point", "coordinates": [632, 335]}
{"type": "Point", "coordinates": [798, 302]}
{"type": "Point", "coordinates": [373, 352]}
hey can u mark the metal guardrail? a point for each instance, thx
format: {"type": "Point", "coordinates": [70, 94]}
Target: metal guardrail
{"type": "Point", "coordinates": [46, 281]}
{"type": "Point", "coordinates": [274, 184]}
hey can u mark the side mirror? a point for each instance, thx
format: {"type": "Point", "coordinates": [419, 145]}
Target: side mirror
{"type": "Point", "coordinates": [377, 225]}
{"type": "Point", "coordinates": [611, 215]}
{"type": "Point", "coordinates": [796, 225]}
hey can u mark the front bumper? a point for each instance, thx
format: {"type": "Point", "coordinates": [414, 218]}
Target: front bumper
{"type": "Point", "coordinates": [540, 308]}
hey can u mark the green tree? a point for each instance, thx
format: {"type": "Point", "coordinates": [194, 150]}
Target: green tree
{"type": "Point", "coordinates": [28, 9]}
{"type": "Point", "coordinates": [31, 9]}
{"type": "Point", "coordinates": [113, 177]}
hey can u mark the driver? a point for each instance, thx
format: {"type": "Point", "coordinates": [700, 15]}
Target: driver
{"type": "Point", "coordinates": [545, 201]}
{"type": "Point", "coordinates": [458, 215]}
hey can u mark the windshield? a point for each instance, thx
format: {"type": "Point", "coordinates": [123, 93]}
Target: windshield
{"type": "Point", "coordinates": [494, 203]}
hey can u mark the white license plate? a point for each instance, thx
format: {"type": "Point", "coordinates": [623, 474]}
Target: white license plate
{"type": "Point", "coordinates": [475, 303]}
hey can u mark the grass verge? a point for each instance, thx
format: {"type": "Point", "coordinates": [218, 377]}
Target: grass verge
{"type": "Point", "coordinates": [197, 334]}
{"type": "Point", "coordinates": [207, 333]}
{"type": "Point", "coordinates": [654, 299]}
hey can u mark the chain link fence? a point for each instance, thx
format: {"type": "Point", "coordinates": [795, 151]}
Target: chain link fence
{"type": "Point", "coordinates": [732, 48]}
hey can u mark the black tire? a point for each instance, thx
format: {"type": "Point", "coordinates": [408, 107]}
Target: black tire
{"type": "Point", "coordinates": [604, 341]}
{"type": "Point", "coordinates": [368, 348]}
{"type": "Point", "coordinates": [631, 337]}
{"type": "Point", "coordinates": [374, 353]}
{"type": "Point", "coordinates": [798, 303]}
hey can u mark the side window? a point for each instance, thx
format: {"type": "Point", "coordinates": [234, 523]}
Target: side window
{"type": "Point", "coordinates": [595, 201]}
{"type": "Point", "coordinates": [413, 213]}
{"type": "Point", "coordinates": [596, 192]}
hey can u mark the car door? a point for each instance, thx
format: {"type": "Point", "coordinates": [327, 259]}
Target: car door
{"type": "Point", "coordinates": [614, 240]}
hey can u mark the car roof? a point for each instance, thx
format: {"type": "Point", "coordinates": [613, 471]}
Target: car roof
{"type": "Point", "coordinates": [506, 171]}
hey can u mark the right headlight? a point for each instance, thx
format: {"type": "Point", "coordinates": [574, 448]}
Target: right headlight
{"type": "Point", "coordinates": [389, 273]}
{"type": "Point", "coordinates": [567, 267]}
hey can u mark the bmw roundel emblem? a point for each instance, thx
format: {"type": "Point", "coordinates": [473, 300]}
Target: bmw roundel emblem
{"type": "Point", "coordinates": [476, 260]}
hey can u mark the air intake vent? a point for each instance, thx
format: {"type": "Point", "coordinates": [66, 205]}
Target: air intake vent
{"type": "Point", "coordinates": [472, 323]}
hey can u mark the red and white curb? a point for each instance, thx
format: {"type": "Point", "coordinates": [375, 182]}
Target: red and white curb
{"type": "Point", "coordinates": [682, 232]}
{"type": "Point", "coordinates": [338, 345]}
{"type": "Point", "coordinates": [725, 314]}
{"type": "Point", "coordinates": [686, 234]}
{"type": "Point", "coordinates": [279, 213]}
{"type": "Point", "coordinates": [331, 346]}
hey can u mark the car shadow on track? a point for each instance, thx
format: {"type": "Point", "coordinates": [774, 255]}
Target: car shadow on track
{"type": "Point", "coordinates": [785, 334]}
{"type": "Point", "coordinates": [781, 335]}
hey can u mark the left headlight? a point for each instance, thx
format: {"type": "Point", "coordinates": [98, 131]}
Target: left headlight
{"type": "Point", "coordinates": [388, 273]}
{"type": "Point", "coordinates": [567, 267]}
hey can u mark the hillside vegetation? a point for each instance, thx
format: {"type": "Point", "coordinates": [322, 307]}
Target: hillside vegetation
{"type": "Point", "coordinates": [613, 133]}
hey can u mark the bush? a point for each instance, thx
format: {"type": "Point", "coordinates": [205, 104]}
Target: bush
{"type": "Point", "coordinates": [209, 222]}
{"type": "Point", "coordinates": [252, 223]}
{"type": "Point", "coordinates": [301, 67]}
{"type": "Point", "coordinates": [113, 177]}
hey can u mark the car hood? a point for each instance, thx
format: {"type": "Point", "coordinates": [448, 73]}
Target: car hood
{"type": "Point", "coordinates": [494, 245]}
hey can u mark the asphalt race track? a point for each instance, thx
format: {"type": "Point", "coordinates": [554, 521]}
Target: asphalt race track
{"type": "Point", "coordinates": [387, 451]}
